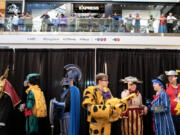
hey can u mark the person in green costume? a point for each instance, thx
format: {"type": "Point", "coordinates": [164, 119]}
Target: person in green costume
{"type": "Point", "coordinates": [35, 106]}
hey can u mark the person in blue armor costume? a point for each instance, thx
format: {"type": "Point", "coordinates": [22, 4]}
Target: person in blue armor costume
{"type": "Point", "coordinates": [68, 109]}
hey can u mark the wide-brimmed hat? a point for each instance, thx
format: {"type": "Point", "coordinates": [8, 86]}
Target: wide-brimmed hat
{"type": "Point", "coordinates": [131, 79]}
{"type": "Point", "coordinates": [171, 72]}
{"type": "Point", "coordinates": [161, 79]}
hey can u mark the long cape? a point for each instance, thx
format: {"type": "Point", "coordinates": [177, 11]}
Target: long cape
{"type": "Point", "coordinates": [8, 89]}
{"type": "Point", "coordinates": [74, 111]}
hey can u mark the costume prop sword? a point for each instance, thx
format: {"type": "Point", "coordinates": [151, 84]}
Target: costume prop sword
{"type": "Point", "coordinates": [54, 106]}
{"type": "Point", "coordinates": [51, 115]}
{"type": "Point", "coordinates": [105, 68]}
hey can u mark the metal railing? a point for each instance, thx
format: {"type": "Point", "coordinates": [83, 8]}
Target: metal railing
{"type": "Point", "coordinates": [86, 25]}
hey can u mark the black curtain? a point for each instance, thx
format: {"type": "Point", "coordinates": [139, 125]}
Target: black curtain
{"type": "Point", "coordinates": [144, 64]}
{"type": "Point", "coordinates": [84, 58]}
{"type": "Point", "coordinates": [5, 59]}
{"type": "Point", "coordinates": [29, 61]}
{"type": "Point", "coordinates": [49, 63]}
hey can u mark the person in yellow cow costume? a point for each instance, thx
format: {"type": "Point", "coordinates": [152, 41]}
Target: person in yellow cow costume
{"type": "Point", "coordinates": [101, 106]}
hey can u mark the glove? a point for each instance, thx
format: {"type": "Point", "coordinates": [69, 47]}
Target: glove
{"type": "Point", "coordinates": [148, 103]}
{"type": "Point", "coordinates": [2, 124]}
{"type": "Point", "coordinates": [21, 107]}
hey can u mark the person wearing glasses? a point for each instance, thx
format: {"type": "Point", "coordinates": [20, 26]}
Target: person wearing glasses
{"type": "Point", "coordinates": [133, 117]}
{"type": "Point", "coordinates": [98, 101]}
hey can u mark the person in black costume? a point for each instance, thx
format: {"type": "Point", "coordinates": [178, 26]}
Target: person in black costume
{"type": "Point", "coordinates": [8, 101]}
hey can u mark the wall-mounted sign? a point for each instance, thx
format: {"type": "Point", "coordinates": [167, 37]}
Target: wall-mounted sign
{"type": "Point", "coordinates": [76, 40]}
{"type": "Point", "coordinates": [82, 7]}
{"type": "Point", "coordinates": [88, 7]}
{"type": "Point", "coordinates": [12, 6]}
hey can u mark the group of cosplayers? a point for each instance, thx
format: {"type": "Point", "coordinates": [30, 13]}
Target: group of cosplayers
{"type": "Point", "coordinates": [101, 106]}
{"type": "Point", "coordinates": [34, 107]}
{"type": "Point", "coordinates": [103, 109]}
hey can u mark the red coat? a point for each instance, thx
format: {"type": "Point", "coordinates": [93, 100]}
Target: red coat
{"type": "Point", "coordinates": [172, 96]}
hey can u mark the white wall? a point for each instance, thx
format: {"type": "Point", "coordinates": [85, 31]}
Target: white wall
{"type": "Point", "coordinates": [88, 40]}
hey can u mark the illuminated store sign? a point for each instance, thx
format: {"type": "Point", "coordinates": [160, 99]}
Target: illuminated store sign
{"type": "Point", "coordinates": [88, 7]}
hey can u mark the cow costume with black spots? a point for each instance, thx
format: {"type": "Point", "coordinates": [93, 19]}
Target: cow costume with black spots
{"type": "Point", "coordinates": [101, 106]}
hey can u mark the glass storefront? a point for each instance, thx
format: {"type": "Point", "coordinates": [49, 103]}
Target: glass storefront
{"type": "Point", "coordinates": [119, 7]}
{"type": "Point", "coordinates": [140, 7]}
{"type": "Point", "coordinates": [101, 16]}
